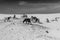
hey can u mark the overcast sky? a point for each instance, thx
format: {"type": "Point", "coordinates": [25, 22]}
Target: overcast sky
{"type": "Point", "coordinates": [29, 0]}
{"type": "Point", "coordinates": [7, 5]}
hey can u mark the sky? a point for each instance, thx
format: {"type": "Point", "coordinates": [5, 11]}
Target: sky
{"type": "Point", "coordinates": [7, 5]}
{"type": "Point", "coordinates": [33, 1]}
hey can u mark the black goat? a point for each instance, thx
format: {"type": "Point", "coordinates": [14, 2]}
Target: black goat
{"type": "Point", "coordinates": [27, 21]}
{"type": "Point", "coordinates": [14, 16]}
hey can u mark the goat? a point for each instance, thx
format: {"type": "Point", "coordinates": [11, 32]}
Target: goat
{"type": "Point", "coordinates": [27, 21]}
{"type": "Point", "coordinates": [35, 20]}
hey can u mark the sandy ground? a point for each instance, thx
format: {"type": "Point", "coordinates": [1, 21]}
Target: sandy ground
{"type": "Point", "coordinates": [16, 30]}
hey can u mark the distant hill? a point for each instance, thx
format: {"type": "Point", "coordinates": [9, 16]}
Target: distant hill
{"type": "Point", "coordinates": [41, 8]}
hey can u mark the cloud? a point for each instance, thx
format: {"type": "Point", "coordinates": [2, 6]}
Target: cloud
{"type": "Point", "coordinates": [22, 2]}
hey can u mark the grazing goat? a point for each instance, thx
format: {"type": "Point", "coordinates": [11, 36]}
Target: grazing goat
{"type": "Point", "coordinates": [7, 19]}
{"type": "Point", "coordinates": [47, 20]}
{"type": "Point", "coordinates": [35, 20]}
{"type": "Point", "coordinates": [27, 21]}
{"type": "Point", "coordinates": [14, 16]}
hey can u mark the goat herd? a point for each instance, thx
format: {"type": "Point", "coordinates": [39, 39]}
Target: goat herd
{"type": "Point", "coordinates": [32, 19]}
